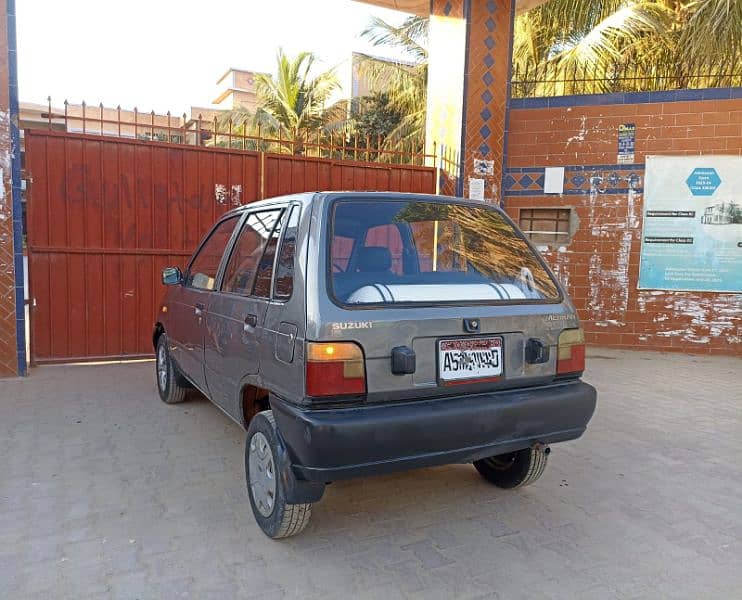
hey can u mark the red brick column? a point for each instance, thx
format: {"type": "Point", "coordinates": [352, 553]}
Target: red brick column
{"type": "Point", "coordinates": [470, 114]}
{"type": "Point", "coordinates": [9, 355]}
{"type": "Point", "coordinates": [487, 91]}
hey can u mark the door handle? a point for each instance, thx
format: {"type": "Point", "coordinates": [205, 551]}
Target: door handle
{"type": "Point", "coordinates": [251, 320]}
{"type": "Point", "coordinates": [199, 308]}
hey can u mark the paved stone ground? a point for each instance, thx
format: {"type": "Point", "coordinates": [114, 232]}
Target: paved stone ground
{"type": "Point", "coordinates": [105, 492]}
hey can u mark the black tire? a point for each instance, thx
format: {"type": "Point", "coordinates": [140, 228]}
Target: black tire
{"type": "Point", "coordinates": [277, 519]}
{"type": "Point", "coordinates": [170, 384]}
{"type": "Point", "coordinates": [515, 469]}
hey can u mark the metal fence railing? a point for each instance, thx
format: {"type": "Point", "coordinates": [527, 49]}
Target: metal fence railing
{"type": "Point", "coordinates": [547, 80]}
{"type": "Point", "coordinates": [449, 165]}
{"type": "Point", "coordinates": [219, 130]}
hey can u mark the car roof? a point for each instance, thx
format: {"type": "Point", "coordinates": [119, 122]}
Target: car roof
{"type": "Point", "coordinates": [308, 197]}
{"type": "Point", "coordinates": [301, 197]}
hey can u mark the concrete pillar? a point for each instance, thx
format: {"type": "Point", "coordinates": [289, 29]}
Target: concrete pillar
{"type": "Point", "coordinates": [473, 37]}
{"type": "Point", "coordinates": [12, 322]}
{"type": "Point", "coordinates": [446, 62]}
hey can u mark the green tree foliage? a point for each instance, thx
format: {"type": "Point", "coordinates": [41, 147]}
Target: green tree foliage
{"type": "Point", "coordinates": [575, 46]}
{"type": "Point", "coordinates": [376, 117]}
{"type": "Point", "coordinates": [404, 83]}
{"type": "Point", "coordinates": [294, 103]}
{"type": "Point", "coordinates": [572, 46]}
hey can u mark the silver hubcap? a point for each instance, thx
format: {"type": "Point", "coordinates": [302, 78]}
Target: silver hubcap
{"type": "Point", "coordinates": [162, 367]}
{"type": "Point", "coordinates": [262, 474]}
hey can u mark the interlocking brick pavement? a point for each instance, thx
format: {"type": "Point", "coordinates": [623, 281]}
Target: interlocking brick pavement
{"type": "Point", "coordinates": [106, 492]}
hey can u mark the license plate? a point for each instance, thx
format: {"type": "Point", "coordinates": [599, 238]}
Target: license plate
{"type": "Point", "coordinates": [468, 359]}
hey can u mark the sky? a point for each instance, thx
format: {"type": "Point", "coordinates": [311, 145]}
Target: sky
{"type": "Point", "coordinates": [166, 54]}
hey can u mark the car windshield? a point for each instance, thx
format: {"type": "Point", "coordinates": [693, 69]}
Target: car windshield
{"type": "Point", "coordinates": [431, 252]}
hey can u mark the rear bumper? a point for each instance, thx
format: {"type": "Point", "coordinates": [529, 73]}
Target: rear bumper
{"type": "Point", "coordinates": [330, 444]}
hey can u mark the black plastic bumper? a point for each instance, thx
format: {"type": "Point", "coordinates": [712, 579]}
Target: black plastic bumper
{"type": "Point", "coordinates": [331, 444]}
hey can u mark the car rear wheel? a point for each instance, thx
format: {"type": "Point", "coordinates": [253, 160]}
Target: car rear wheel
{"type": "Point", "coordinates": [514, 469]}
{"type": "Point", "coordinates": [169, 382]}
{"type": "Point", "coordinates": [274, 515]}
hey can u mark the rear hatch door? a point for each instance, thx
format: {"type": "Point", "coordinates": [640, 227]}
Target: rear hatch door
{"type": "Point", "coordinates": [455, 284]}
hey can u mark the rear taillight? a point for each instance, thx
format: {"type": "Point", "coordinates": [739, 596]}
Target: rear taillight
{"type": "Point", "coordinates": [334, 369]}
{"type": "Point", "coordinates": [571, 354]}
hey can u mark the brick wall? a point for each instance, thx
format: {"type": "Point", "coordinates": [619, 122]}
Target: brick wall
{"type": "Point", "coordinates": [600, 266]}
{"type": "Point", "coordinates": [12, 351]}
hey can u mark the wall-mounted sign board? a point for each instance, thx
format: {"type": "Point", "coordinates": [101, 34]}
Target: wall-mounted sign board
{"type": "Point", "coordinates": [692, 233]}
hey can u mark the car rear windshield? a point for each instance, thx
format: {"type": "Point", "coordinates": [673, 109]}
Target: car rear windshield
{"type": "Point", "coordinates": [431, 252]}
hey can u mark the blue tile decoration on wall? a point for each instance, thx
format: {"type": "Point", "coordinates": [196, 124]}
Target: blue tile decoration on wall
{"type": "Point", "coordinates": [610, 179]}
{"type": "Point", "coordinates": [447, 9]}
{"type": "Point", "coordinates": [488, 79]}
{"type": "Point", "coordinates": [628, 98]}
{"type": "Point", "coordinates": [526, 180]}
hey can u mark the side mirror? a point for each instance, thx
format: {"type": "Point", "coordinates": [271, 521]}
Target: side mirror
{"type": "Point", "coordinates": [171, 276]}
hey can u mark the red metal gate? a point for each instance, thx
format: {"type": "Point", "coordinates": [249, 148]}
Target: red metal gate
{"type": "Point", "coordinates": [106, 214]}
{"type": "Point", "coordinates": [288, 174]}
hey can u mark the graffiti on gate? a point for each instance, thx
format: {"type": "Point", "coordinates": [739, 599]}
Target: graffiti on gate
{"type": "Point", "coordinates": [232, 196]}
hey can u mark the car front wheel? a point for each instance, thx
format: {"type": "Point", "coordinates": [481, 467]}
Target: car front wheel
{"type": "Point", "coordinates": [514, 469]}
{"type": "Point", "coordinates": [274, 515]}
{"type": "Point", "coordinates": [169, 381]}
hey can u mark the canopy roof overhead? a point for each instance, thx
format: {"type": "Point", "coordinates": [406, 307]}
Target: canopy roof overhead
{"type": "Point", "coordinates": [422, 7]}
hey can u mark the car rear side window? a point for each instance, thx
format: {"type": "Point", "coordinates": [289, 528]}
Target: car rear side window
{"type": "Point", "coordinates": [204, 266]}
{"type": "Point", "coordinates": [433, 252]}
{"type": "Point", "coordinates": [262, 287]}
{"type": "Point", "coordinates": [248, 251]}
{"type": "Point", "coordinates": [284, 284]}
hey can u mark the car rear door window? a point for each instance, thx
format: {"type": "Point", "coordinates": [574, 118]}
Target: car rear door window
{"type": "Point", "coordinates": [205, 264]}
{"type": "Point", "coordinates": [284, 283]}
{"type": "Point", "coordinates": [245, 261]}
{"type": "Point", "coordinates": [262, 287]}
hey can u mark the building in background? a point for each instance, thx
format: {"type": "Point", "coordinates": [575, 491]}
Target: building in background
{"type": "Point", "coordinates": [237, 88]}
{"type": "Point", "coordinates": [372, 74]}
{"type": "Point", "coordinates": [97, 120]}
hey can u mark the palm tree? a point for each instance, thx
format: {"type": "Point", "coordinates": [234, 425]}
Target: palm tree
{"type": "Point", "coordinates": [404, 83]}
{"type": "Point", "coordinates": [569, 46]}
{"type": "Point", "coordinates": [574, 46]}
{"type": "Point", "coordinates": [292, 103]}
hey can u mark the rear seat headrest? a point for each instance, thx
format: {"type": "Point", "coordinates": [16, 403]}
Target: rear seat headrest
{"type": "Point", "coordinates": [374, 259]}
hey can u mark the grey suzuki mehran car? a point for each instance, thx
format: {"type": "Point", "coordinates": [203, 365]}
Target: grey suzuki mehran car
{"type": "Point", "coordinates": [362, 333]}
